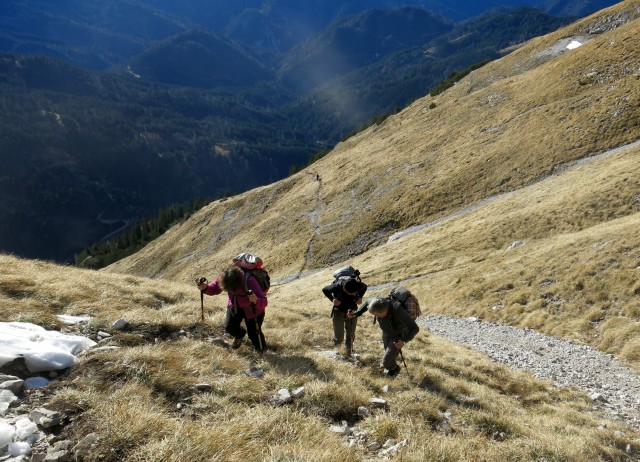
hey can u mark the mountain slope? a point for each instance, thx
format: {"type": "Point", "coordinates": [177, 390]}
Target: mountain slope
{"type": "Point", "coordinates": [399, 78]}
{"type": "Point", "coordinates": [112, 148]}
{"type": "Point", "coordinates": [506, 126]}
{"type": "Point", "coordinates": [199, 59]}
{"type": "Point", "coordinates": [357, 41]}
{"type": "Point", "coordinates": [502, 127]}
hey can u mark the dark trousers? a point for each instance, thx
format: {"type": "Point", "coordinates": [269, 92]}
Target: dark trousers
{"type": "Point", "coordinates": [254, 328]}
{"type": "Point", "coordinates": [344, 328]}
{"type": "Point", "coordinates": [391, 353]}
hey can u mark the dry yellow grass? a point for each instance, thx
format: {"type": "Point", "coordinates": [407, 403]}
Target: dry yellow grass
{"type": "Point", "coordinates": [142, 400]}
{"type": "Point", "coordinates": [506, 127]}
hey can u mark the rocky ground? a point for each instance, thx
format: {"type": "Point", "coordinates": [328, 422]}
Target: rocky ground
{"type": "Point", "coordinates": [612, 387]}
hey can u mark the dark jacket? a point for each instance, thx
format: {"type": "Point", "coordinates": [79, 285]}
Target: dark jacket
{"type": "Point", "coordinates": [348, 302]}
{"type": "Point", "coordinates": [398, 325]}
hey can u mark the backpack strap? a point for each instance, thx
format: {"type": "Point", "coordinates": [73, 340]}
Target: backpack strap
{"type": "Point", "coordinates": [246, 280]}
{"type": "Point", "coordinates": [248, 291]}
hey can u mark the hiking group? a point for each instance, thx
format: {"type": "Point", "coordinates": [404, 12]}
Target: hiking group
{"type": "Point", "coordinates": [247, 283]}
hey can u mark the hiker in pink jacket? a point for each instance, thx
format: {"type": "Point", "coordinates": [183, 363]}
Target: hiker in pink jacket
{"type": "Point", "coordinates": [248, 304]}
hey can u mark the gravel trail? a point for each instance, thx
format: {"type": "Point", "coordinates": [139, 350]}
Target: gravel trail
{"type": "Point", "coordinates": [610, 384]}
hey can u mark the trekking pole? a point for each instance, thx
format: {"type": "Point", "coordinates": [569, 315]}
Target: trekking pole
{"type": "Point", "coordinates": [202, 306]}
{"type": "Point", "coordinates": [202, 280]}
{"type": "Point", "coordinates": [405, 365]}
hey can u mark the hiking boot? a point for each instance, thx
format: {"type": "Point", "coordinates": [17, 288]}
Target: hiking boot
{"type": "Point", "coordinates": [236, 343]}
{"type": "Point", "coordinates": [347, 351]}
{"type": "Point", "coordinates": [393, 372]}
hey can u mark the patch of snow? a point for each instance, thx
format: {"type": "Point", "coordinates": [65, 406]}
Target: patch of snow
{"type": "Point", "coordinates": [43, 350]}
{"type": "Point", "coordinates": [573, 45]}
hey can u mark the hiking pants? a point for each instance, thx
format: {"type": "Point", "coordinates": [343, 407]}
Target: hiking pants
{"type": "Point", "coordinates": [391, 353]}
{"type": "Point", "coordinates": [344, 327]}
{"type": "Point", "coordinates": [254, 328]}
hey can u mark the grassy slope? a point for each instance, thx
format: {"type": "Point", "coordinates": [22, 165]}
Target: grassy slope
{"type": "Point", "coordinates": [454, 405]}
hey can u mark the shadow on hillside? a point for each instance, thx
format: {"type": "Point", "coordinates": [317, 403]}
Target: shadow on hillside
{"type": "Point", "coordinates": [140, 334]}
{"type": "Point", "coordinates": [297, 365]}
{"type": "Point", "coordinates": [433, 385]}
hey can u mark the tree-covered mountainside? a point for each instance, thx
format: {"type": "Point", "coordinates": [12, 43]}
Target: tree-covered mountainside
{"type": "Point", "coordinates": [200, 59]}
{"type": "Point", "coordinates": [80, 149]}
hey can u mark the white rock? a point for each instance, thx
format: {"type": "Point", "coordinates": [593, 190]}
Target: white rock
{"type": "Point", "coordinates": [378, 402]}
{"type": "Point", "coordinates": [298, 392]}
{"type": "Point", "coordinates": [7, 396]}
{"type": "Point", "coordinates": [283, 396]}
{"type": "Point", "coordinates": [44, 417]}
{"type": "Point", "coordinates": [373, 446]}
{"type": "Point", "coordinates": [13, 384]}
{"type": "Point", "coordinates": [515, 244]}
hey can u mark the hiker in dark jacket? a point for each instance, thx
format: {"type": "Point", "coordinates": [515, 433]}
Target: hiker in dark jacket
{"type": "Point", "coordinates": [248, 305]}
{"type": "Point", "coordinates": [397, 327]}
{"type": "Point", "coordinates": [346, 295]}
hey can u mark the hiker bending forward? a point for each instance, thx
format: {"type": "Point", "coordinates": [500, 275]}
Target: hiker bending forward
{"type": "Point", "coordinates": [397, 327]}
{"type": "Point", "coordinates": [346, 295]}
{"type": "Point", "coordinates": [244, 304]}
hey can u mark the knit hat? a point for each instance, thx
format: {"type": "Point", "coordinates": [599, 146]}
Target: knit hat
{"type": "Point", "coordinates": [351, 286]}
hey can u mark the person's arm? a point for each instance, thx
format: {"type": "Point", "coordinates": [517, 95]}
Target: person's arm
{"type": "Point", "coordinates": [362, 289]}
{"type": "Point", "coordinates": [329, 290]}
{"type": "Point", "coordinates": [363, 308]}
{"type": "Point", "coordinates": [212, 289]}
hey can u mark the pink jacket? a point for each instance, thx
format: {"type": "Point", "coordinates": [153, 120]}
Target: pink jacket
{"type": "Point", "coordinates": [241, 297]}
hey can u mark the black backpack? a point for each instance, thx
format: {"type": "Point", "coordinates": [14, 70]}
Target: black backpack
{"type": "Point", "coordinates": [346, 273]}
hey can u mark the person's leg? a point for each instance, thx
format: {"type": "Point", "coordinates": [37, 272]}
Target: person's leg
{"type": "Point", "coordinates": [254, 331]}
{"type": "Point", "coordinates": [232, 326]}
{"type": "Point", "coordinates": [350, 334]}
{"type": "Point", "coordinates": [338, 327]}
{"type": "Point", "coordinates": [389, 360]}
